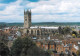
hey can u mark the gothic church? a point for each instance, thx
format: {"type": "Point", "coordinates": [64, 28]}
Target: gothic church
{"type": "Point", "coordinates": [36, 31]}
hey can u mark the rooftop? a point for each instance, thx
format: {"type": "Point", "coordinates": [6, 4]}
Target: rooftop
{"type": "Point", "coordinates": [44, 27]}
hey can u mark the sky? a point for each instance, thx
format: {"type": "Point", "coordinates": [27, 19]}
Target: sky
{"type": "Point", "coordinates": [42, 10]}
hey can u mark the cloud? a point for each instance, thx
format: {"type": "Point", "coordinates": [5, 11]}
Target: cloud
{"type": "Point", "coordinates": [42, 11]}
{"type": "Point", "coordinates": [68, 10]}
{"type": "Point", "coordinates": [13, 12]}
{"type": "Point", "coordinates": [55, 6]}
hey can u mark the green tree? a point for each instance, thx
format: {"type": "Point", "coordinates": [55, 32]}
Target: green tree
{"type": "Point", "coordinates": [78, 52]}
{"type": "Point", "coordinates": [4, 50]}
{"type": "Point", "coordinates": [4, 37]}
{"type": "Point", "coordinates": [2, 26]}
{"type": "Point", "coordinates": [61, 54]}
{"type": "Point", "coordinates": [78, 36]}
{"type": "Point", "coordinates": [27, 43]}
{"type": "Point", "coordinates": [66, 30]}
{"type": "Point", "coordinates": [74, 32]}
{"type": "Point", "coordinates": [26, 47]}
{"type": "Point", "coordinates": [17, 47]}
{"type": "Point", "coordinates": [33, 51]}
{"type": "Point", "coordinates": [50, 52]}
{"type": "Point", "coordinates": [60, 29]}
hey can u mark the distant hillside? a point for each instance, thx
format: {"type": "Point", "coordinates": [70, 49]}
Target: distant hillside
{"type": "Point", "coordinates": [12, 24]}
{"type": "Point", "coordinates": [43, 24]}
{"type": "Point", "coordinates": [58, 23]}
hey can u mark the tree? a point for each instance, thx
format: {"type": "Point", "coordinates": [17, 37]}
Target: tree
{"type": "Point", "coordinates": [64, 30]}
{"type": "Point", "coordinates": [61, 54]}
{"type": "Point", "coordinates": [78, 36]}
{"type": "Point", "coordinates": [50, 52]}
{"type": "Point", "coordinates": [60, 29]}
{"type": "Point", "coordinates": [34, 51]}
{"type": "Point", "coordinates": [78, 52]}
{"type": "Point", "coordinates": [74, 36]}
{"type": "Point", "coordinates": [17, 47]}
{"type": "Point", "coordinates": [26, 47]}
{"type": "Point", "coordinates": [4, 50]}
{"type": "Point", "coordinates": [30, 48]}
{"type": "Point", "coordinates": [27, 43]}
{"type": "Point", "coordinates": [3, 37]}
{"type": "Point", "coordinates": [74, 32]}
{"type": "Point", "coordinates": [2, 26]}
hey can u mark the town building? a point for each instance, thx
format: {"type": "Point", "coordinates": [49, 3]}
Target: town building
{"type": "Point", "coordinates": [67, 46]}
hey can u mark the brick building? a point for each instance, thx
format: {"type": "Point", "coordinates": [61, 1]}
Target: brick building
{"type": "Point", "coordinates": [65, 46]}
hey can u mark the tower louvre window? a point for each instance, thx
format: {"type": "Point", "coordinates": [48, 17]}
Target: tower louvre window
{"type": "Point", "coordinates": [25, 19]}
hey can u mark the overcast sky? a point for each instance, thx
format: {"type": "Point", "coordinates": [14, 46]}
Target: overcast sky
{"type": "Point", "coordinates": [42, 10]}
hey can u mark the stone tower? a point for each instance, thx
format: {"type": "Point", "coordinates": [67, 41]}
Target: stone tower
{"type": "Point", "coordinates": [27, 19]}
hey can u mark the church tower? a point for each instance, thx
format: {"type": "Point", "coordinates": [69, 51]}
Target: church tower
{"type": "Point", "coordinates": [27, 19]}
